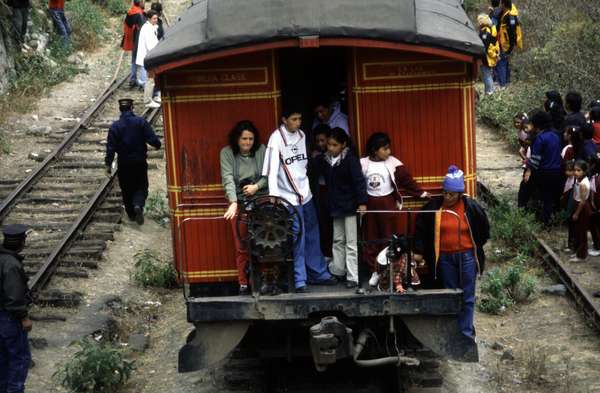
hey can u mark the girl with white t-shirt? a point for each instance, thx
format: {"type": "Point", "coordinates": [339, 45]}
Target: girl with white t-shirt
{"type": "Point", "coordinates": [385, 176]}
{"type": "Point", "coordinates": [579, 222]}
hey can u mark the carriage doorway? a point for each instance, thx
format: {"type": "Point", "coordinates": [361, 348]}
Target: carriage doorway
{"type": "Point", "coordinates": [309, 75]}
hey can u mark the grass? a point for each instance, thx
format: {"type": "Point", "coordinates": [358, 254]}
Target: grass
{"type": "Point", "coordinates": [157, 208]}
{"type": "Point", "coordinates": [151, 271]}
{"type": "Point", "coordinates": [513, 229]}
{"type": "Point", "coordinates": [95, 368]}
{"type": "Point", "coordinates": [535, 364]}
{"type": "Point", "coordinates": [88, 22]}
{"type": "Point", "coordinates": [505, 286]}
{"type": "Point", "coordinates": [114, 7]}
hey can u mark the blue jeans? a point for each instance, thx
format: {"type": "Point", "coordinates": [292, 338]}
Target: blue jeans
{"type": "Point", "coordinates": [14, 355]}
{"type": "Point", "coordinates": [488, 79]}
{"type": "Point", "coordinates": [61, 23]}
{"type": "Point", "coordinates": [143, 76]}
{"type": "Point", "coordinates": [503, 70]}
{"type": "Point", "coordinates": [134, 68]}
{"type": "Point", "coordinates": [309, 263]}
{"type": "Point", "coordinates": [459, 271]}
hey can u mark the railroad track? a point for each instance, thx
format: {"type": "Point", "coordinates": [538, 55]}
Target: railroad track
{"type": "Point", "coordinates": [69, 201]}
{"type": "Point", "coordinates": [555, 265]}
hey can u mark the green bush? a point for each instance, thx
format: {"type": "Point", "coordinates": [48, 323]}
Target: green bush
{"type": "Point", "coordinates": [151, 271]}
{"type": "Point", "coordinates": [157, 208]}
{"type": "Point", "coordinates": [114, 7]}
{"type": "Point", "coordinates": [506, 286]}
{"type": "Point", "coordinates": [513, 228]}
{"type": "Point", "coordinates": [95, 368]}
{"type": "Point", "coordinates": [560, 53]}
{"type": "Point", "coordinates": [88, 23]}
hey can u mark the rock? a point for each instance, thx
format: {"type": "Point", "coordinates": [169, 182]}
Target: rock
{"type": "Point", "coordinates": [35, 117]}
{"type": "Point", "coordinates": [138, 342]}
{"type": "Point", "coordinates": [38, 343]}
{"type": "Point", "coordinates": [496, 346]}
{"type": "Point", "coordinates": [34, 43]}
{"type": "Point", "coordinates": [508, 355]}
{"type": "Point", "coordinates": [35, 157]}
{"type": "Point", "coordinates": [558, 289]}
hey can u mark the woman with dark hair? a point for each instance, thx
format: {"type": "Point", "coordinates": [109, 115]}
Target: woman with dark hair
{"type": "Point", "coordinates": [241, 174]}
{"type": "Point", "coordinates": [554, 106]}
{"type": "Point", "coordinates": [385, 176]}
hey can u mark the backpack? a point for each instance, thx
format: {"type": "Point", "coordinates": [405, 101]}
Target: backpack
{"type": "Point", "coordinates": [492, 46]}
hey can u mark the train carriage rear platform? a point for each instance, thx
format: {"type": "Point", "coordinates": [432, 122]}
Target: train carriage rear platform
{"type": "Point", "coordinates": [406, 67]}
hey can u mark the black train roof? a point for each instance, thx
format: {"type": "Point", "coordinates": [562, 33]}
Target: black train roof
{"type": "Point", "coordinates": [211, 25]}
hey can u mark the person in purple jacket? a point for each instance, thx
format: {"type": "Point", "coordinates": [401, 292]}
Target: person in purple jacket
{"type": "Point", "coordinates": [545, 163]}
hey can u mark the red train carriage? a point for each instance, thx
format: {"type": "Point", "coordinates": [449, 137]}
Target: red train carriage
{"type": "Point", "coordinates": [408, 68]}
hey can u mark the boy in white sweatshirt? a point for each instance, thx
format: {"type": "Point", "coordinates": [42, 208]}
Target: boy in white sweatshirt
{"type": "Point", "coordinates": [285, 167]}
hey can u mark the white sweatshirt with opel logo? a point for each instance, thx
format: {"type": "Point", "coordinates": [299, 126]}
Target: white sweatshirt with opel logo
{"type": "Point", "coordinates": [285, 166]}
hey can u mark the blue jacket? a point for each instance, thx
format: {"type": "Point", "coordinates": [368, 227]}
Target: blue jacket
{"type": "Point", "coordinates": [128, 137]}
{"type": "Point", "coordinates": [346, 186]}
{"type": "Point", "coordinates": [545, 152]}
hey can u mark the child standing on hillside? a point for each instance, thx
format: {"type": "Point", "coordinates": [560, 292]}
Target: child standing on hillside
{"type": "Point", "coordinates": [579, 220]}
{"type": "Point", "coordinates": [385, 176]}
{"type": "Point", "coordinates": [347, 192]}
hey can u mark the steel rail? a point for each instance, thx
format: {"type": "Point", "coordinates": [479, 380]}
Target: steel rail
{"type": "Point", "coordinates": [553, 262]}
{"type": "Point", "coordinates": [580, 295]}
{"type": "Point", "coordinates": [57, 153]}
{"type": "Point", "coordinates": [50, 265]}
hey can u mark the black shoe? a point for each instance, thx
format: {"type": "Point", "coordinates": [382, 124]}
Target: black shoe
{"type": "Point", "coordinates": [265, 289]}
{"type": "Point", "coordinates": [339, 278]}
{"type": "Point", "coordinates": [596, 294]}
{"type": "Point", "coordinates": [302, 289]}
{"type": "Point", "coordinates": [351, 284]}
{"type": "Point", "coordinates": [139, 215]}
{"type": "Point", "coordinates": [132, 84]}
{"type": "Point", "coordinates": [330, 281]}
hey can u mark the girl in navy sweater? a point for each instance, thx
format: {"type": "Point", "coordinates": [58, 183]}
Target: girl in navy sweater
{"type": "Point", "coordinates": [346, 193]}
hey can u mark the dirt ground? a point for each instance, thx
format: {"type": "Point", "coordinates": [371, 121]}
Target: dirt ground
{"type": "Point", "coordinates": [547, 338]}
{"type": "Point", "coordinates": [544, 346]}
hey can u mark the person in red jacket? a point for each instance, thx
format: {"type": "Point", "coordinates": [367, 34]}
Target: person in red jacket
{"type": "Point", "coordinates": [132, 24]}
{"type": "Point", "coordinates": [56, 9]}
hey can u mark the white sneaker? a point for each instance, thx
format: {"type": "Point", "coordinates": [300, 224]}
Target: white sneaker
{"type": "Point", "coordinates": [374, 280]}
{"type": "Point", "coordinates": [594, 253]}
{"type": "Point", "coordinates": [157, 99]}
{"type": "Point", "coordinates": [575, 259]}
{"type": "Point", "coordinates": [153, 104]}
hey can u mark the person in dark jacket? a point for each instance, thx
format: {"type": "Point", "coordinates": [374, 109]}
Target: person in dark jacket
{"type": "Point", "coordinates": [346, 192]}
{"type": "Point", "coordinates": [20, 14]}
{"type": "Point", "coordinates": [160, 32]}
{"type": "Point", "coordinates": [495, 13]}
{"type": "Point", "coordinates": [134, 20]}
{"type": "Point", "coordinates": [545, 164]}
{"type": "Point", "coordinates": [451, 241]}
{"type": "Point", "coordinates": [128, 137]}
{"type": "Point", "coordinates": [554, 106]}
{"type": "Point", "coordinates": [573, 105]}
{"type": "Point", "coordinates": [15, 356]}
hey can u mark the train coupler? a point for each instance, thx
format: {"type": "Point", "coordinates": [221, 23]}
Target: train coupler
{"type": "Point", "coordinates": [330, 340]}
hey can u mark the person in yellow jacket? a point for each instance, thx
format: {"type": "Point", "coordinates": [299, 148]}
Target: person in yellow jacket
{"type": "Point", "coordinates": [509, 37]}
{"type": "Point", "coordinates": [489, 37]}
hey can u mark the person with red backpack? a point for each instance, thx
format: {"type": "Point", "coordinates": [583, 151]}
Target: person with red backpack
{"type": "Point", "coordinates": [132, 25]}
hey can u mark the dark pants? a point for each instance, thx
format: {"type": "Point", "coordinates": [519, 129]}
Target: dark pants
{"type": "Point", "coordinates": [578, 230]}
{"type": "Point", "coordinates": [525, 193]}
{"type": "Point", "coordinates": [61, 23]}
{"type": "Point", "coordinates": [549, 186]}
{"type": "Point", "coordinates": [133, 180]}
{"type": "Point", "coordinates": [503, 70]}
{"type": "Point", "coordinates": [379, 227]}
{"type": "Point", "coordinates": [325, 223]}
{"type": "Point", "coordinates": [19, 20]}
{"type": "Point", "coordinates": [15, 356]}
{"type": "Point", "coordinates": [459, 270]}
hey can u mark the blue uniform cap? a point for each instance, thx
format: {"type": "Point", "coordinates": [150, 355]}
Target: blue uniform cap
{"type": "Point", "coordinates": [15, 231]}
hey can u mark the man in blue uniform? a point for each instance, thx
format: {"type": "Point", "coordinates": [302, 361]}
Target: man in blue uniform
{"type": "Point", "coordinates": [128, 137]}
{"type": "Point", "coordinates": [15, 356]}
